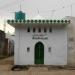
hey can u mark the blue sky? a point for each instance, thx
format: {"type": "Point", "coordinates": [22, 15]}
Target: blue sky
{"type": "Point", "coordinates": [61, 8]}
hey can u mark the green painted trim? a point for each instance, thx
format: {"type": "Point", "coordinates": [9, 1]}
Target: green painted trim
{"type": "Point", "coordinates": [39, 21]}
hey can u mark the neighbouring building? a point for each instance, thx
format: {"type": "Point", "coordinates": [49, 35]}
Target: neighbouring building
{"type": "Point", "coordinates": [42, 41]}
{"type": "Point", "coordinates": [2, 40]}
{"type": "Point", "coordinates": [9, 44]}
{"type": "Point", "coordinates": [6, 45]}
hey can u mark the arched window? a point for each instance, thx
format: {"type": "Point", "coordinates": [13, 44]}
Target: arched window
{"type": "Point", "coordinates": [28, 30]}
{"type": "Point", "coordinates": [45, 30]}
{"type": "Point", "coordinates": [39, 30]}
{"type": "Point", "coordinates": [50, 29]}
{"type": "Point", "coordinates": [34, 29]}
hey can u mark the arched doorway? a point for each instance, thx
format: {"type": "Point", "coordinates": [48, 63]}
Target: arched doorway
{"type": "Point", "coordinates": [39, 53]}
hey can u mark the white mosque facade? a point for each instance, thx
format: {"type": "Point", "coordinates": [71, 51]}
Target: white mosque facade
{"type": "Point", "coordinates": [40, 41]}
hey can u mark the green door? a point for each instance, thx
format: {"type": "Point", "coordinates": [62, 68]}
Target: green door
{"type": "Point", "coordinates": [39, 53]}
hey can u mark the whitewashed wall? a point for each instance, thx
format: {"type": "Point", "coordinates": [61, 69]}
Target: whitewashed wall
{"type": "Point", "coordinates": [57, 40]}
{"type": "Point", "coordinates": [71, 41]}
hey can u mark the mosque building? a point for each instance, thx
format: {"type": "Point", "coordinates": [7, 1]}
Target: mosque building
{"type": "Point", "coordinates": [40, 41]}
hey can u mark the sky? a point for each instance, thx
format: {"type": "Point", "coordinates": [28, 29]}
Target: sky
{"type": "Point", "coordinates": [49, 9]}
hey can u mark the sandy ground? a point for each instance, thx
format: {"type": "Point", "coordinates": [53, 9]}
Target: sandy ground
{"type": "Point", "coordinates": [6, 64]}
{"type": "Point", "coordinates": [9, 61]}
{"type": "Point", "coordinates": [37, 72]}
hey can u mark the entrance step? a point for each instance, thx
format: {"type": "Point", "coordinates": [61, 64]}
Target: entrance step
{"type": "Point", "coordinates": [41, 68]}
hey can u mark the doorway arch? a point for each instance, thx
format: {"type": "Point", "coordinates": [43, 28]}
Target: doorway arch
{"type": "Point", "coordinates": [39, 53]}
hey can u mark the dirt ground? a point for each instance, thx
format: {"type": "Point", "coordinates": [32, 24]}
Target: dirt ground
{"type": "Point", "coordinates": [6, 64]}
{"type": "Point", "coordinates": [37, 72]}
